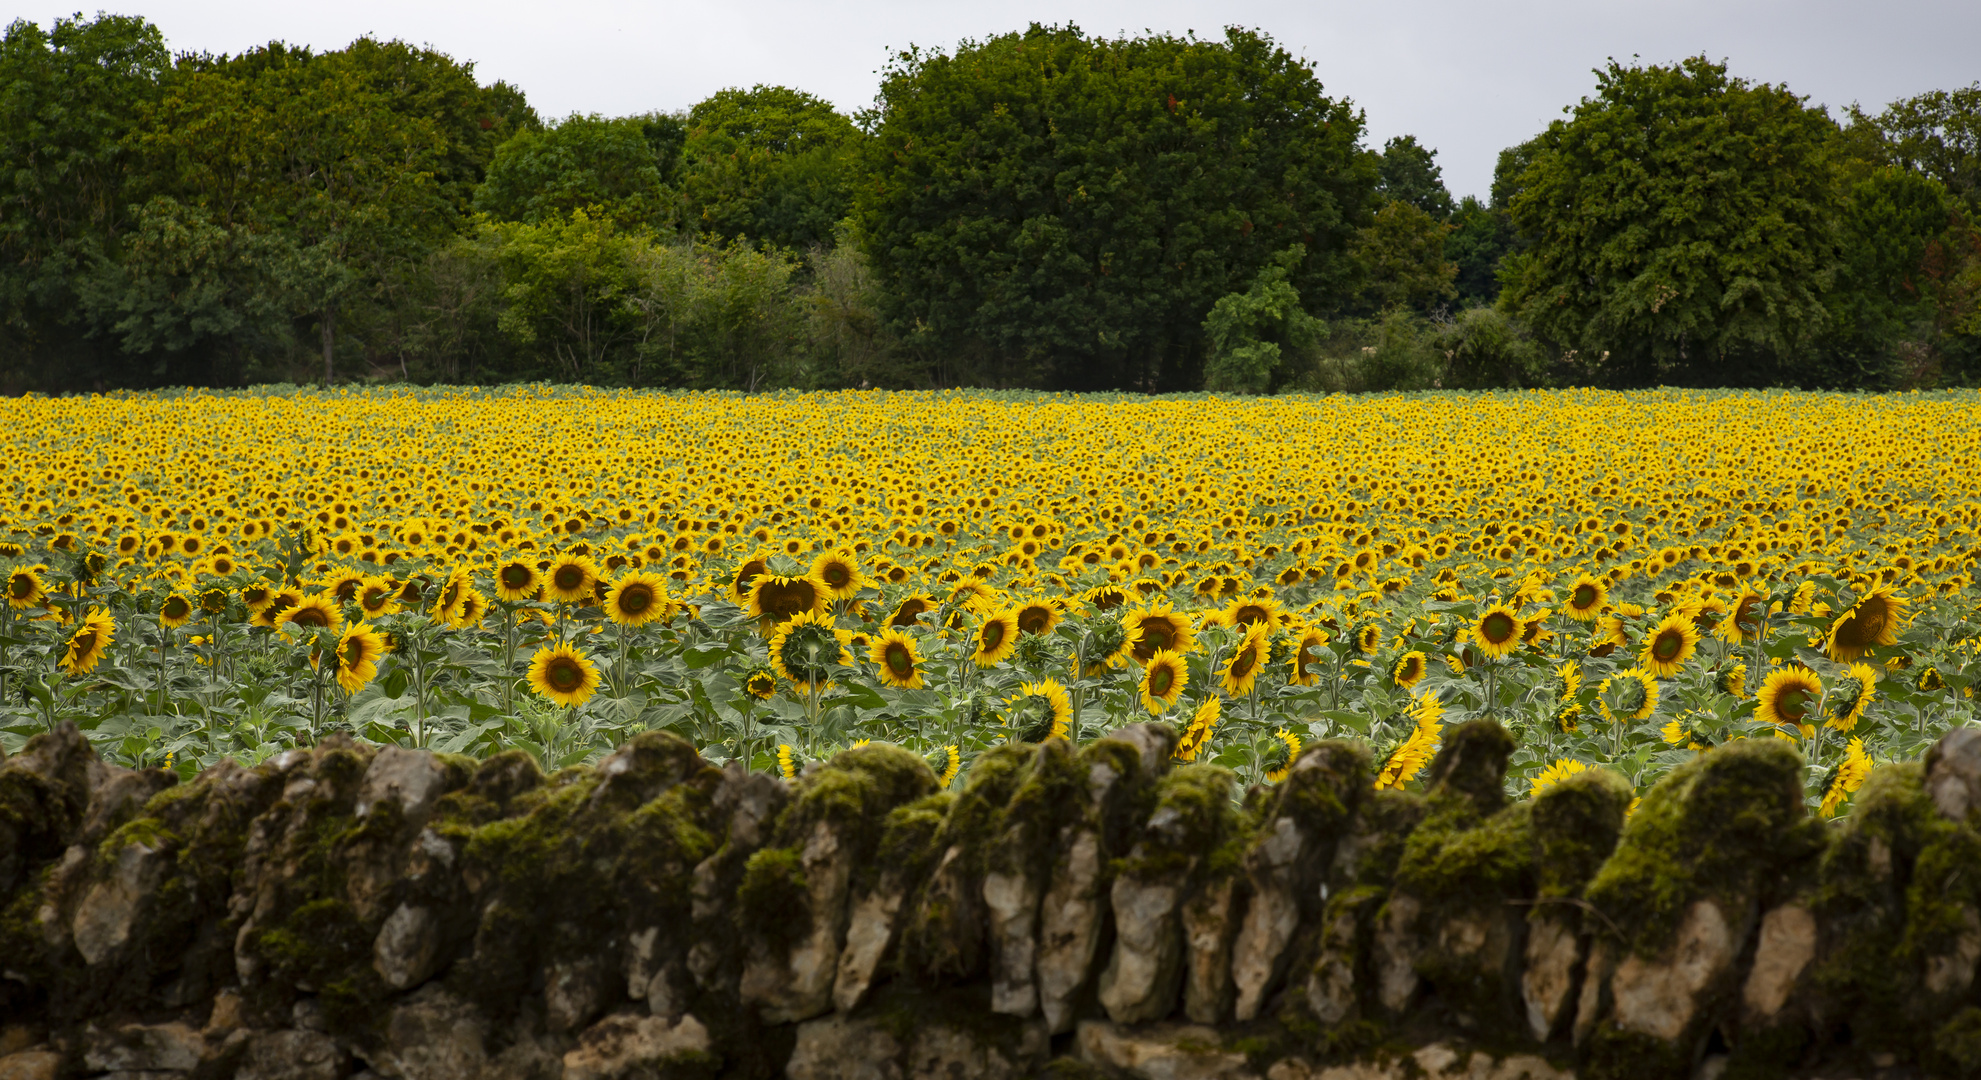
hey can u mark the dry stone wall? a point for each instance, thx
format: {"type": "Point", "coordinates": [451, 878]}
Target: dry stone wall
{"type": "Point", "coordinates": [351, 911]}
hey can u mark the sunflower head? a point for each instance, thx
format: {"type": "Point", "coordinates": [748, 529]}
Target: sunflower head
{"type": "Point", "coordinates": [1869, 623]}
{"type": "Point", "coordinates": [1629, 695]}
{"type": "Point", "coordinates": [317, 612]}
{"type": "Point", "coordinates": [1037, 616]}
{"type": "Point", "coordinates": [1039, 711]}
{"type": "Point", "coordinates": [1586, 598]}
{"type": "Point", "coordinates": [358, 653]}
{"type": "Point", "coordinates": [1279, 755]}
{"type": "Point", "coordinates": [515, 580]}
{"type": "Point", "coordinates": [1163, 680]}
{"type": "Point", "coordinates": [760, 683]}
{"type": "Point", "coordinates": [778, 597]}
{"type": "Point", "coordinates": [1497, 630]}
{"type": "Point", "coordinates": [176, 611]}
{"type": "Point", "coordinates": [1241, 672]}
{"type": "Point", "coordinates": [840, 575]}
{"type": "Point", "coordinates": [638, 599]}
{"type": "Point", "coordinates": [1669, 645]}
{"type": "Point", "coordinates": [570, 579]}
{"type": "Point", "coordinates": [1851, 696]}
{"type": "Point", "coordinates": [1409, 670]}
{"type": "Point", "coordinates": [900, 663]}
{"type": "Point", "coordinates": [806, 649]}
{"type": "Point", "coordinates": [995, 638]}
{"type": "Point", "coordinates": [1788, 696]}
{"type": "Point", "coordinates": [88, 643]}
{"type": "Point", "coordinates": [24, 588]}
{"type": "Point", "coordinates": [563, 675]}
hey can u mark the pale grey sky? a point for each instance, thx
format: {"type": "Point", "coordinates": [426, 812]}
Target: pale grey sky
{"type": "Point", "coordinates": [1466, 77]}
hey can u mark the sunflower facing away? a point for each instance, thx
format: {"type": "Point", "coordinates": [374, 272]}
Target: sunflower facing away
{"type": "Point", "coordinates": [806, 648]}
{"type": "Point", "coordinates": [1039, 711]}
{"type": "Point", "coordinates": [1279, 757]}
{"type": "Point", "coordinates": [358, 653]}
{"type": "Point", "coordinates": [1631, 694]}
{"type": "Point", "coordinates": [1851, 696]}
{"type": "Point", "coordinates": [563, 674]}
{"type": "Point", "coordinates": [1669, 646]}
{"type": "Point", "coordinates": [900, 663]}
{"type": "Point", "coordinates": [89, 643]}
{"type": "Point", "coordinates": [760, 683]}
{"type": "Point", "coordinates": [1788, 697]}
{"type": "Point", "coordinates": [1163, 680]}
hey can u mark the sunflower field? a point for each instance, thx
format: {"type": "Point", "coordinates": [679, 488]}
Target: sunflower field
{"type": "Point", "coordinates": [1623, 579]}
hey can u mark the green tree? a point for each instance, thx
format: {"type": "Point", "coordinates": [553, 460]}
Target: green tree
{"type": "Point", "coordinates": [1401, 254]}
{"type": "Point", "coordinates": [1409, 172]}
{"type": "Point", "coordinates": [1483, 235]}
{"type": "Point", "coordinates": [567, 288]}
{"type": "Point", "coordinates": [1938, 134]}
{"type": "Point", "coordinates": [1053, 209]}
{"type": "Point", "coordinates": [69, 97]}
{"type": "Point", "coordinates": [1683, 227]}
{"type": "Point", "coordinates": [1260, 337]}
{"type": "Point", "coordinates": [624, 168]}
{"type": "Point", "coordinates": [770, 164]}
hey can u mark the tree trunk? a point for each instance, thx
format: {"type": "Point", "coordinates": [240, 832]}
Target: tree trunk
{"type": "Point", "coordinates": [329, 341]}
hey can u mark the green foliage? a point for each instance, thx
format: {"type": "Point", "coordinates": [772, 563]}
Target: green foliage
{"type": "Point", "coordinates": [1055, 209]}
{"type": "Point", "coordinates": [1684, 227]}
{"type": "Point", "coordinates": [1409, 172]}
{"type": "Point", "coordinates": [771, 165]}
{"type": "Point", "coordinates": [1938, 134]}
{"type": "Point", "coordinates": [1480, 237]}
{"type": "Point", "coordinates": [1402, 260]}
{"type": "Point", "coordinates": [1258, 336]}
{"type": "Point", "coordinates": [619, 169]}
{"type": "Point", "coordinates": [1485, 348]}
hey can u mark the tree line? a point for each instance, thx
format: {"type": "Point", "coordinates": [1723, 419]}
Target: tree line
{"type": "Point", "coordinates": [1042, 208]}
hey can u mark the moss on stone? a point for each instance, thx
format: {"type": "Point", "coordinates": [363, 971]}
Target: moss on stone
{"type": "Point", "coordinates": [1194, 822]}
{"type": "Point", "coordinates": [1614, 1054]}
{"type": "Point", "coordinates": [1718, 826]}
{"type": "Point", "coordinates": [774, 901]}
{"type": "Point", "coordinates": [1576, 824]}
{"type": "Point", "coordinates": [1323, 787]}
{"type": "Point", "coordinates": [907, 850]}
{"type": "Point", "coordinates": [490, 789]}
{"type": "Point", "coordinates": [1957, 1044]}
{"type": "Point", "coordinates": [1050, 793]}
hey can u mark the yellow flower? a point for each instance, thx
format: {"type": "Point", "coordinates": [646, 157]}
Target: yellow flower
{"type": "Point", "coordinates": [1586, 598]}
{"type": "Point", "coordinates": [358, 653]}
{"type": "Point", "coordinates": [994, 639]}
{"type": "Point", "coordinates": [899, 661]}
{"type": "Point", "coordinates": [1669, 645]}
{"type": "Point", "coordinates": [638, 599]}
{"type": "Point", "coordinates": [1871, 622]}
{"type": "Point", "coordinates": [1562, 769]}
{"type": "Point", "coordinates": [1497, 631]}
{"type": "Point", "coordinates": [785, 762]}
{"type": "Point", "coordinates": [88, 644]}
{"type": "Point", "coordinates": [1635, 696]}
{"type": "Point", "coordinates": [1788, 697]}
{"type": "Point", "coordinates": [563, 674]}
{"type": "Point", "coordinates": [1240, 673]}
{"type": "Point", "coordinates": [570, 579]}
{"type": "Point", "coordinates": [1851, 696]}
{"type": "Point", "coordinates": [1203, 725]}
{"type": "Point", "coordinates": [1163, 680]}
{"type": "Point", "coordinates": [1850, 776]}
{"type": "Point", "coordinates": [1409, 670]}
{"type": "Point", "coordinates": [1291, 743]}
{"type": "Point", "coordinates": [1039, 711]}
{"type": "Point", "coordinates": [1416, 751]}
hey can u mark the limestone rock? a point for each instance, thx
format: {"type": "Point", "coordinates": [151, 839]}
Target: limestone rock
{"type": "Point", "coordinates": [411, 781]}
{"type": "Point", "coordinates": [1160, 1052]}
{"type": "Point", "coordinates": [1553, 954]}
{"type": "Point", "coordinates": [1660, 998]}
{"type": "Point", "coordinates": [1953, 772]}
{"type": "Point", "coordinates": [431, 1035]}
{"type": "Point", "coordinates": [631, 1047]}
{"type": "Point", "coordinates": [144, 1048]}
{"type": "Point", "coordinates": [1952, 972]}
{"type": "Point", "coordinates": [798, 986]}
{"type": "Point", "coordinates": [1787, 945]}
{"type": "Point", "coordinates": [31, 1065]}
{"type": "Point", "coordinates": [110, 910]}
{"type": "Point", "coordinates": [1141, 979]}
{"type": "Point", "coordinates": [1208, 926]}
{"type": "Point", "coordinates": [837, 1048]}
{"type": "Point", "coordinates": [407, 948]}
{"type": "Point", "coordinates": [574, 992]}
{"type": "Point", "coordinates": [292, 1055]}
{"type": "Point", "coordinates": [941, 1052]}
{"type": "Point", "coordinates": [870, 929]}
{"type": "Point", "coordinates": [1334, 986]}
{"type": "Point", "coordinates": [1397, 949]}
{"type": "Point", "coordinates": [1012, 902]}
{"type": "Point", "coordinates": [1075, 902]}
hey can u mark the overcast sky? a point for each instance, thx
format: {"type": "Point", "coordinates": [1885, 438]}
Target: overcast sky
{"type": "Point", "coordinates": [1466, 77]}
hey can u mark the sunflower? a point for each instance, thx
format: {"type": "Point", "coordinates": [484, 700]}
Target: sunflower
{"type": "Point", "coordinates": [1251, 611]}
{"type": "Point", "coordinates": [570, 580]}
{"type": "Point", "coordinates": [1415, 751]}
{"type": "Point", "coordinates": [1732, 680]}
{"type": "Point", "coordinates": [777, 597]}
{"type": "Point", "coordinates": [1669, 646]}
{"type": "Point", "coordinates": [787, 761]}
{"type": "Point", "coordinates": [806, 647]}
{"type": "Point", "coordinates": [378, 596]}
{"type": "Point", "coordinates": [563, 674]}
{"type": "Point", "coordinates": [1788, 696]}
{"type": "Point", "coordinates": [1305, 661]}
{"type": "Point", "coordinates": [447, 602]}
{"type": "Point", "coordinates": [1586, 598]}
{"type": "Point", "coordinates": [274, 603]}
{"type": "Point", "coordinates": [1105, 597]}
{"type": "Point", "coordinates": [1039, 711]}
{"type": "Point", "coordinates": [911, 609]}
{"type": "Point", "coordinates": [1930, 680]}
{"type": "Point", "coordinates": [760, 683]}
{"type": "Point", "coordinates": [88, 644]}
{"type": "Point", "coordinates": [1037, 616]}
{"type": "Point", "coordinates": [1870, 622]}
{"type": "Point", "coordinates": [899, 661]}
{"type": "Point", "coordinates": [516, 581]}
{"type": "Point", "coordinates": [468, 610]}
{"type": "Point", "coordinates": [1850, 775]}
{"type": "Point", "coordinates": [840, 575]}
{"type": "Point", "coordinates": [1609, 635]}
{"type": "Point", "coordinates": [25, 588]}
{"type": "Point", "coordinates": [213, 601]}
{"type": "Point", "coordinates": [1562, 769]}
{"type": "Point", "coordinates": [746, 577]}
{"type": "Point", "coordinates": [995, 638]}
{"type": "Point", "coordinates": [176, 611]}
{"type": "Point", "coordinates": [1241, 672]}
{"type": "Point", "coordinates": [1409, 670]}
{"type": "Point", "coordinates": [358, 653]}
{"type": "Point", "coordinates": [638, 599]}
{"type": "Point", "coordinates": [1631, 694]}
{"type": "Point", "coordinates": [1163, 680]}
{"type": "Point", "coordinates": [1279, 756]}
{"type": "Point", "coordinates": [314, 611]}
{"type": "Point", "coordinates": [952, 763]}
{"type": "Point", "coordinates": [1197, 734]}
{"type": "Point", "coordinates": [1159, 629]}
{"type": "Point", "coordinates": [1497, 631]}
{"type": "Point", "coordinates": [1851, 696]}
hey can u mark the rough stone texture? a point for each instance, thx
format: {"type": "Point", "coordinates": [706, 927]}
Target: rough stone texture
{"type": "Point", "coordinates": [349, 911]}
